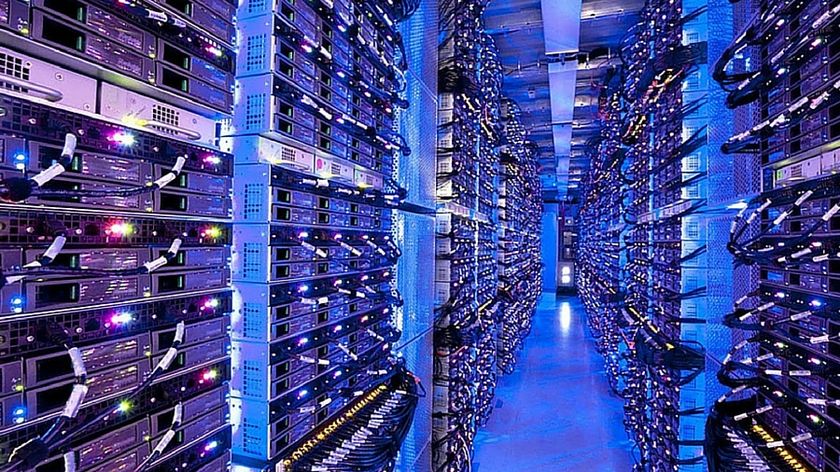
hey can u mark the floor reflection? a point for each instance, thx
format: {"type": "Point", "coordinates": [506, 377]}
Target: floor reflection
{"type": "Point", "coordinates": [555, 412]}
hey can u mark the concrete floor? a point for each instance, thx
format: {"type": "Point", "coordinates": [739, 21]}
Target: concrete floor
{"type": "Point", "coordinates": [555, 413]}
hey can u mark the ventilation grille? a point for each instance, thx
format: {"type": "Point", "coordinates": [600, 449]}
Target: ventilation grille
{"type": "Point", "coordinates": [14, 67]}
{"type": "Point", "coordinates": [288, 154]}
{"type": "Point", "coordinates": [252, 257]}
{"type": "Point", "coordinates": [253, 201]}
{"type": "Point", "coordinates": [253, 434]}
{"type": "Point", "coordinates": [254, 111]}
{"type": "Point", "coordinates": [253, 375]}
{"type": "Point", "coordinates": [256, 6]}
{"type": "Point", "coordinates": [335, 169]}
{"type": "Point", "coordinates": [692, 163]}
{"type": "Point", "coordinates": [692, 230]}
{"type": "Point", "coordinates": [255, 52]}
{"type": "Point", "coordinates": [167, 116]}
{"type": "Point", "coordinates": [253, 323]}
{"type": "Point", "coordinates": [692, 191]}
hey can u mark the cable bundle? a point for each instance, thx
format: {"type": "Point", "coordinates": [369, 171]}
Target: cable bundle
{"type": "Point", "coordinates": [367, 434]}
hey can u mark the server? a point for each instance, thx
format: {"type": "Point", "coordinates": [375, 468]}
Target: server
{"type": "Point", "coordinates": [486, 276]}
{"type": "Point", "coordinates": [115, 239]}
{"type": "Point", "coordinates": [318, 87]}
{"type": "Point", "coordinates": [781, 409]}
{"type": "Point", "coordinates": [642, 258]}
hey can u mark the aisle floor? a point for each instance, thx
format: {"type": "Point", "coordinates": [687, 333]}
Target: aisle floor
{"type": "Point", "coordinates": [555, 412]}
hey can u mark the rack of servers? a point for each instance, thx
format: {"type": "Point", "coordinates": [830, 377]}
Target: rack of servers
{"type": "Point", "coordinates": [708, 258]}
{"type": "Point", "coordinates": [487, 234]}
{"type": "Point", "coordinates": [214, 216]}
{"type": "Point", "coordinates": [197, 243]}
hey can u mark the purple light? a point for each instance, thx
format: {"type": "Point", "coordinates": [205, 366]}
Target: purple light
{"type": "Point", "coordinates": [121, 318]}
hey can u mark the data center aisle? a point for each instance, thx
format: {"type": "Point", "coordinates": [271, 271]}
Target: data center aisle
{"type": "Point", "coordinates": [555, 413]}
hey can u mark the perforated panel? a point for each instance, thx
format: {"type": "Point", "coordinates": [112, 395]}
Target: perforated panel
{"type": "Point", "coordinates": [254, 110]}
{"type": "Point", "coordinates": [255, 52]}
{"type": "Point", "coordinates": [253, 201]}
{"type": "Point", "coordinates": [416, 232]}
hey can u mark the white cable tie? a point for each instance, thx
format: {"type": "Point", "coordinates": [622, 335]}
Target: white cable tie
{"type": "Point", "coordinates": [821, 258]}
{"type": "Point", "coordinates": [14, 279]}
{"type": "Point", "coordinates": [77, 361]}
{"type": "Point", "coordinates": [774, 444]}
{"type": "Point", "coordinates": [69, 461]}
{"type": "Point", "coordinates": [179, 414]}
{"type": "Point", "coordinates": [167, 178]}
{"type": "Point", "coordinates": [318, 252]}
{"type": "Point", "coordinates": [164, 441]}
{"type": "Point", "coordinates": [161, 261]}
{"type": "Point", "coordinates": [819, 339]}
{"type": "Point", "coordinates": [180, 329]}
{"type": "Point", "coordinates": [773, 372]}
{"type": "Point", "coordinates": [800, 373]}
{"type": "Point", "coordinates": [167, 359]}
{"type": "Point", "coordinates": [48, 174]}
{"type": "Point", "coordinates": [55, 248]}
{"type": "Point", "coordinates": [803, 252]}
{"type": "Point", "coordinates": [800, 316]}
{"type": "Point", "coordinates": [70, 142]}
{"type": "Point", "coordinates": [350, 248]}
{"type": "Point", "coordinates": [831, 212]}
{"type": "Point", "coordinates": [157, 15]}
{"type": "Point", "coordinates": [779, 219]}
{"type": "Point", "coordinates": [803, 197]}
{"type": "Point", "coordinates": [74, 402]}
{"type": "Point", "coordinates": [348, 352]}
{"type": "Point", "coordinates": [801, 437]}
{"type": "Point", "coordinates": [765, 307]}
{"type": "Point", "coordinates": [156, 264]}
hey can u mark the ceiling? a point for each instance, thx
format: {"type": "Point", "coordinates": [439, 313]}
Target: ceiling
{"type": "Point", "coordinates": [517, 27]}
